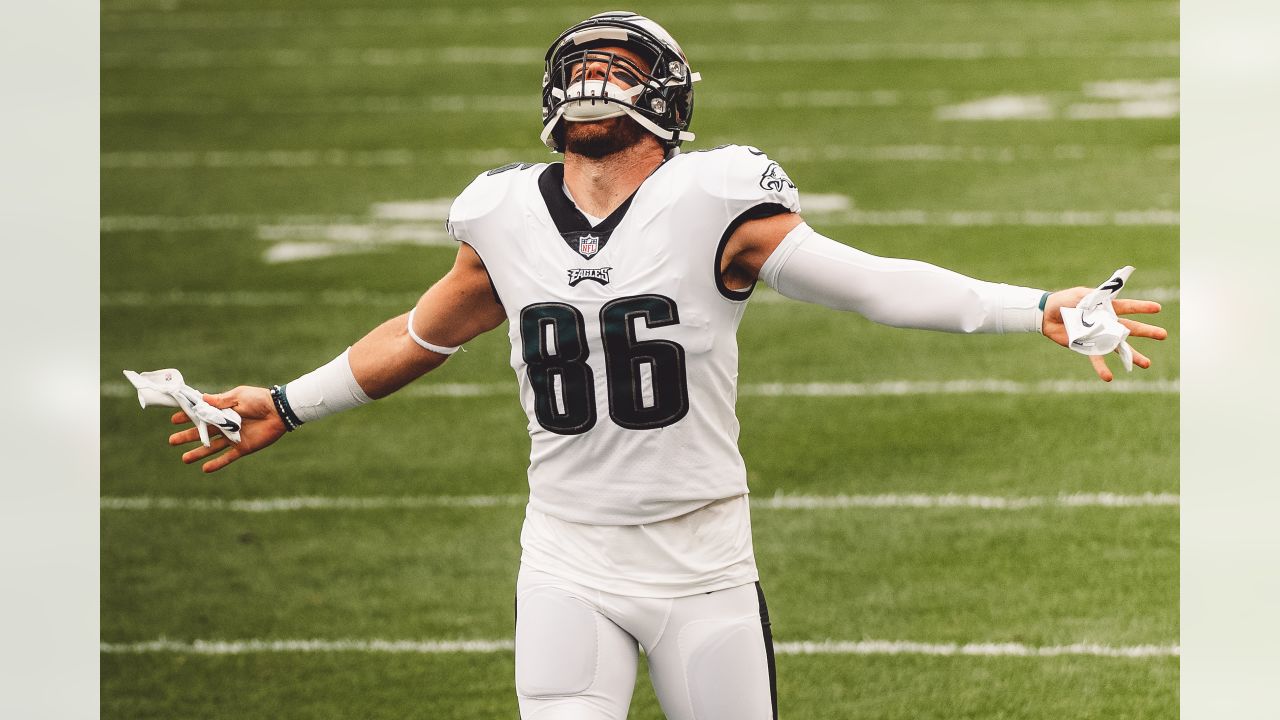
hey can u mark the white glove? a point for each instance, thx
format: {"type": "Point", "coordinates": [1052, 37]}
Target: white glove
{"type": "Point", "coordinates": [1092, 325]}
{"type": "Point", "coordinates": [165, 388]}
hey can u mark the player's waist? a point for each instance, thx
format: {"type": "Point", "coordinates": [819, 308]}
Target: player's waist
{"type": "Point", "coordinates": [706, 548]}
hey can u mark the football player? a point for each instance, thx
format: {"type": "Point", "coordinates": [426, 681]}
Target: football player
{"type": "Point", "coordinates": [623, 274]}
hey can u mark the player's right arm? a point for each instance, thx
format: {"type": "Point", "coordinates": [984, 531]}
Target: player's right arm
{"type": "Point", "coordinates": [456, 309]}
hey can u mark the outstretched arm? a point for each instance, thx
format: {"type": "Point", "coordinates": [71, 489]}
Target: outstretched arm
{"type": "Point", "coordinates": [803, 265]}
{"type": "Point", "coordinates": [453, 311]}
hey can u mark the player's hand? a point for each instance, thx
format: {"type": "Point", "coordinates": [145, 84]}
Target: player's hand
{"type": "Point", "coordinates": [260, 426]}
{"type": "Point", "coordinates": [1056, 330]}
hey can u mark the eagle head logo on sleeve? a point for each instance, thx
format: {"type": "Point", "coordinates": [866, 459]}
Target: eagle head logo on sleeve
{"type": "Point", "coordinates": [775, 179]}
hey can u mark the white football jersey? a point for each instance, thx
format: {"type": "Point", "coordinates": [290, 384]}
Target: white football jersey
{"type": "Point", "coordinates": [623, 336]}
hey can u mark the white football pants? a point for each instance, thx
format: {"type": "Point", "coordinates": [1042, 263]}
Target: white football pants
{"type": "Point", "coordinates": [710, 655]}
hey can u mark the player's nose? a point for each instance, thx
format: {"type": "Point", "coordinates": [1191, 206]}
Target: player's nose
{"type": "Point", "coordinates": [592, 70]}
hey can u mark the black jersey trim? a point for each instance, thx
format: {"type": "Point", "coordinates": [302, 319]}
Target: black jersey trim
{"type": "Point", "coordinates": [763, 210]}
{"type": "Point", "coordinates": [767, 628]}
{"type": "Point", "coordinates": [568, 218]}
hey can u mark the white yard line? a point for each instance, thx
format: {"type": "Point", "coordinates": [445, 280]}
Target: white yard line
{"type": "Point", "coordinates": [890, 388]}
{"type": "Point", "coordinates": [776, 502]}
{"type": "Point", "coordinates": [514, 104]}
{"type": "Point", "coordinates": [957, 387]}
{"type": "Point", "coordinates": [285, 504]}
{"type": "Point", "coordinates": [853, 217]}
{"type": "Point", "coordinates": [258, 298]}
{"type": "Point", "coordinates": [977, 502]}
{"type": "Point", "coordinates": [771, 54]}
{"type": "Point", "coordinates": [822, 647]}
{"type": "Point", "coordinates": [402, 157]}
{"type": "Point", "coordinates": [903, 647]}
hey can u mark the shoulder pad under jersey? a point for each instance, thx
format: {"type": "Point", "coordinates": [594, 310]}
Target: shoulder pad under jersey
{"type": "Point", "coordinates": [482, 197]}
{"type": "Point", "coordinates": [744, 176]}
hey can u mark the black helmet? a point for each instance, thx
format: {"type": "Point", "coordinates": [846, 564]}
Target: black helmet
{"type": "Point", "coordinates": [661, 99]}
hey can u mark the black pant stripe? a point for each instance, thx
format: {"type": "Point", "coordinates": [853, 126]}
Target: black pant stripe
{"type": "Point", "coordinates": [768, 650]}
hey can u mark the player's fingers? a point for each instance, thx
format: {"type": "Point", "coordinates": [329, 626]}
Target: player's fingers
{"type": "Point", "coordinates": [1139, 359]}
{"type": "Point", "coordinates": [1130, 307]}
{"type": "Point", "coordinates": [228, 399]}
{"type": "Point", "coordinates": [180, 418]}
{"type": "Point", "coordinates": [185, 436]}
{"type": "Point", "coordinates": [222, 460]}
{"type": "Point", "coordinates": [202, 452]}
{"type": "Point", "coordinates": [1143, 330]}
{"type": "Point", "coordinates": [1100, 367]}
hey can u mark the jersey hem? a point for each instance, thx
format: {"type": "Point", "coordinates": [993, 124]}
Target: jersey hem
{"type": "Point", "coordinates": [674, 590]}
{"type": "Point", "coordinates": [678, 508]}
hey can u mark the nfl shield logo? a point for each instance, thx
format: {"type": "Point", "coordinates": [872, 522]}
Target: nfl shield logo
{"type": "Point", "coordinates": [588, 245]}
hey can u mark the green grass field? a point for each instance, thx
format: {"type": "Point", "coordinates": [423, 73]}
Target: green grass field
{"type": "Point", "coordinates": [237, 135]}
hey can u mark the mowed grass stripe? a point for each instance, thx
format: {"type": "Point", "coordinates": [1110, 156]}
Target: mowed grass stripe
{"type": "Point", "coordinates": [777, 502]}
{"type": "Point", "coordinates": [1053, 576]}
{"type": "Point", "coordinates": [401, 686]}
{"type": "Point", "coordinates": [824, 647]}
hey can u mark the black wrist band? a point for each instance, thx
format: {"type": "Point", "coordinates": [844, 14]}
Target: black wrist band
{"type": "Point", "coordinates": [281, 401]}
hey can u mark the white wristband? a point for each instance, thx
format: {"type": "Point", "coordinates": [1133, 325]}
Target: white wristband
{"type": "Point", "coordinates": [430, 346]}
{"type": "Point", "coordinates": [326, 390]}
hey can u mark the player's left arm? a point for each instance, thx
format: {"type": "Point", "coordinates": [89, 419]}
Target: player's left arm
{"type": "Point", "coordinates": [802, 264]}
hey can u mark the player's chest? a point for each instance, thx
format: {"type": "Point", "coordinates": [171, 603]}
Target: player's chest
{"type": "Point", "coordinates": [592, 267]}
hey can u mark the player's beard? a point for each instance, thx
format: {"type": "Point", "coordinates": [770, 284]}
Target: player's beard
{"type": "Point", "coordinates": [602, 138]}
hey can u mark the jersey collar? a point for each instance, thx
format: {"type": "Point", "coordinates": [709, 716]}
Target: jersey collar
{"type": "Point", "coordinates": [573, 226]}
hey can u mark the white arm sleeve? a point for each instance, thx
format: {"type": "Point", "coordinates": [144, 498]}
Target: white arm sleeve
{"type": "Point", "coordinates": [902, 293]}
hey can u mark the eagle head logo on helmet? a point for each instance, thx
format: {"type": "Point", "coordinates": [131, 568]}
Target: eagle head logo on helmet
{"type": "Point", "coordinates": [661, 100]}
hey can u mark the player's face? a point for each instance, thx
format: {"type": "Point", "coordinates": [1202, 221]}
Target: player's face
{"type": "Point", "coordinates": [601, 138]}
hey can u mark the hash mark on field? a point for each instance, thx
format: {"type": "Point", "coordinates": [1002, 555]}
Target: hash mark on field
{"type": "Point", "coordinates": [777, 502]}
{"type": "Point", "coordinates": [889, 388]}
{"type": "Point", "coordinates": [822, 647]}
{"type": "Point", "coordinates": [1107, 100]}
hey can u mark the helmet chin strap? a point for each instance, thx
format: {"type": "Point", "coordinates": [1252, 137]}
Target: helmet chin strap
{"type": "Point", "coordinates": [595, 104]}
